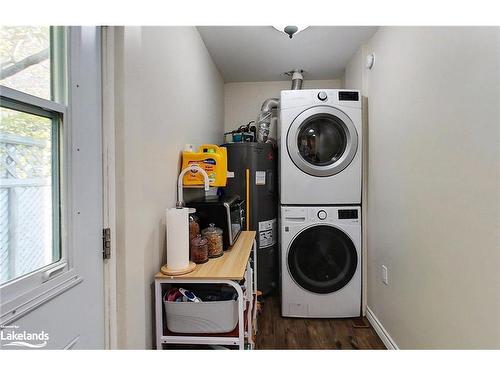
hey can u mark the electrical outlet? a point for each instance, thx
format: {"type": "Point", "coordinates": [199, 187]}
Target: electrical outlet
{"type": "Point", "coordinates": [385, 278]}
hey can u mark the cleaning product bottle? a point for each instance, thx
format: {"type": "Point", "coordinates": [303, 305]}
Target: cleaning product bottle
{"type": "Point", "coordinates": [212, 158]}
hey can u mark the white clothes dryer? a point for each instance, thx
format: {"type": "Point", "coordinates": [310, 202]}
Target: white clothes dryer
{"type": "Point", "coordinates": [320, 135]}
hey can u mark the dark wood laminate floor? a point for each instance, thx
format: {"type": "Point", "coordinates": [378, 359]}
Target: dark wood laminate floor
{"type": "Point", "coordinates": [276, 332]}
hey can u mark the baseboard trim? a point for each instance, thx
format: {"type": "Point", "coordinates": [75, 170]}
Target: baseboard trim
{"type": "Point", "coordinates": [381, 331]}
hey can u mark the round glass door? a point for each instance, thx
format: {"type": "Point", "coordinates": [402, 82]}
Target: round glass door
{"type": "Point", "coordinates": [322, 259]}
{"type": "Point", "coordinates": [322, 141]}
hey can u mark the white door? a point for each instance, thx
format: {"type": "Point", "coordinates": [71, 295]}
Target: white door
{"type": "Point", "coordinates": [51, 264]}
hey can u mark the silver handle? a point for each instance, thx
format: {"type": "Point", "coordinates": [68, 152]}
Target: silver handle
{"type": "Point", "coordinates": [47, 275]}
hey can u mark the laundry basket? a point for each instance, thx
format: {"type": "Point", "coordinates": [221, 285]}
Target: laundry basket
{"type": "Point", "coordinates": [201, 317]}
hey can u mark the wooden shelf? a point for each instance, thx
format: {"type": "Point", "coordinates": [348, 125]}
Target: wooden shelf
{"type": "Point", "coordinates": [230, 266]}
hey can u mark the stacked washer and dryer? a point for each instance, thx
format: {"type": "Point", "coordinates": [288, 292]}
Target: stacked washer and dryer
{"type": "Point", "coordinates": [319, 135]}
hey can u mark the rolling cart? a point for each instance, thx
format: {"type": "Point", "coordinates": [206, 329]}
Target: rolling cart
{"type": "Point", "coordinates": [234, 267]}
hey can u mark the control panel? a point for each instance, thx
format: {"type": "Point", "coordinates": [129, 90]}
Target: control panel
{"type": "Point", "coordinates": [329, 214]}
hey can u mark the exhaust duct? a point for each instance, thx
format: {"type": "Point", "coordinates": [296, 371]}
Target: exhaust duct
{"type": "Point", "coordinates": [266, 110]}
{"type": "Point", "coordinates": [297, 79]}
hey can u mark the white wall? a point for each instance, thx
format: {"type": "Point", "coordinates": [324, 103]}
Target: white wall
{"type": "Point", "coordinates": [168, 93]}
{"type": "Point", "coordinates": [244, 99]}
{"type": "Point", "coordinates": [353, 79]}
{"type": "Point", "coordinates": [433, 185]}
{"type": "Point", "coordinates": [353, 74]}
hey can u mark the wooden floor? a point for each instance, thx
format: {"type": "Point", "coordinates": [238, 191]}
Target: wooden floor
{"type": "Point", "coordinates": [276, 332]}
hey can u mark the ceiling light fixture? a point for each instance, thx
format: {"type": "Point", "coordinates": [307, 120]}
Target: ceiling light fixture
{"type": "Point", "coordinates": [290, 30]}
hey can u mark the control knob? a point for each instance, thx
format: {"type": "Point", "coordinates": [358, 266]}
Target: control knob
{"type": "Point", "coordinates": [322, 96]}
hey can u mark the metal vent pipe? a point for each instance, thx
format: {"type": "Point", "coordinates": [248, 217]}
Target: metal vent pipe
{"type": "Point", "coordinates": [297, 79]}
{"type": "Point", "coordinates": [269, 104]}
{"type": "Point", "coordinates": [264, 120]}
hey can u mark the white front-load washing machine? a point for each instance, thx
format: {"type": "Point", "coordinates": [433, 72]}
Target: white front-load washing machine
{"type": "Point", "coordinates": [320, 134]}
{"type": "Point", "coordinates": [320, 261]}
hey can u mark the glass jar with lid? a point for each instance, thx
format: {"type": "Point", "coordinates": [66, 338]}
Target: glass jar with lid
{"type": "Point", "coordinates": [194, 224]}
{"type": "Point", "coordinates": [199, 249]}
{"type": "Point", "coordinates": [214, 238]}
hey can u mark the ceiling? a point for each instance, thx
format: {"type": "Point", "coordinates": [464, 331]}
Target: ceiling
{"type": "Point", "coordinates": [262, 53]}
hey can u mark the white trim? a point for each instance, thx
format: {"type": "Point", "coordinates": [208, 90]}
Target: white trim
{"type": "Point", "coordinates": [85, 194]}
{"type": "Point", "coordinates": [381, 331]}
{"type": "Point", "coordinates": [109, 186]}
{"type": "Point", "coordinates": [22, 97]}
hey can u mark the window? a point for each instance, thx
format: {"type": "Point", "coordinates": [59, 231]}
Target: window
{"type": "Point", "coordinates": [29, 203]}
{"type": "Point", "coordinates": [33, 87]}
{"type": "Point", "coordinates": [25, 54]}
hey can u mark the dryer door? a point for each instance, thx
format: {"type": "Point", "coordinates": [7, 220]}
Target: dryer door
{"type": "Point", "coordinates": [322, 141]}
{"type": "Point", "coordinates": [322, 259]}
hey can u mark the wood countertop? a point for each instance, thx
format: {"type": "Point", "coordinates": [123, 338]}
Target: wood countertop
{"type": "Point", "coordinates": [230, 266]}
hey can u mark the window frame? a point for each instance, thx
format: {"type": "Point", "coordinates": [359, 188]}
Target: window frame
{"type": "Point", "coordinates": [27, 292]}
{"type": "Point", "coordinates": [55, 118]}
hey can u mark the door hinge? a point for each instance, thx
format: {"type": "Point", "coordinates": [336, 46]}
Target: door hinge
{"type": "Point", "coordinates": [106, 243]}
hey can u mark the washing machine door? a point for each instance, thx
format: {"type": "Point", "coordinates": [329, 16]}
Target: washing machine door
{"type": "Point", "coordinates": [322, 141]}
{"type": "Point", "coordinates": [322, 259]}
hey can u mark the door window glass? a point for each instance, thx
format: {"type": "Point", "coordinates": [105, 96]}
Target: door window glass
{"type": "Point", "coordinates": [29, 206]}
{"type": "Point", "coordinates": [322, 140]}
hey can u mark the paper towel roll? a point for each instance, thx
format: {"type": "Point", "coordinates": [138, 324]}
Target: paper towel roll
{"type": "Point", "coordinates": [177, 238]}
